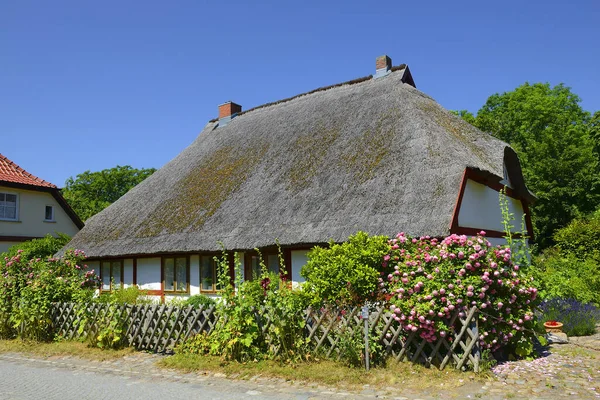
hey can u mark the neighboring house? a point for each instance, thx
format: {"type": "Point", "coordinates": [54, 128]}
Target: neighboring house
{"type": "Point", "coordinates": [373, 154]}
{"type": "Point", "coordinates": [30, 207]}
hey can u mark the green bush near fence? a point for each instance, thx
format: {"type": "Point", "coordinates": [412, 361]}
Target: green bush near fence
{"type": "Point", "coordinates": [30, 286]}
{"type": "Point", "coordinates": [249, 313]}
{"type": "Point", "coordinates": [345, 274]}
{"type": "Point", "coordinates": [200, 300]}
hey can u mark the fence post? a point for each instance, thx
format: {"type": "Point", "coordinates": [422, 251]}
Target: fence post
{"type": "Point", "coordinates": [476, 350]}
{"type": "Point", "coordinates": [365, 317]}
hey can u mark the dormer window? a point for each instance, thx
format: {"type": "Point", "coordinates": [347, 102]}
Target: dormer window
{"type": "Point", "coordinates": [8, 207]}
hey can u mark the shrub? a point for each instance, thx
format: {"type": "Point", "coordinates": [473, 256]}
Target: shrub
{"type": "Point", "coordinates": [29, 287]}
{"type": "Point", "coordinates": [200, 300]}
{"type": "Point", "coordinates": [351, 345]}
{"type": "Point", "coordinates": [129, 295]}
{"type": "Point", "coordinates": [345, 274]}
{"type": "Point", "coordinates": [563, 275]}
{"type": "Point", "coordinates": [199, 344]}
{"type": "Point", "coordinates": [581, 238]}
{"type": "Point", "coordinates": [236, 333]}
{"type": "Point", "coordinates": [430, 279]}
{"type": "Point", "coordinates": [571, 269]}
{"type": "Point", "coordinates": [38, 248]}
{"type": "Point", "coordinates": [578, 319]}
{"type": "Point", "coordinates": [241, 332]}
{"type": "Point", "coordinates": [109, 326]}
{"type": "Point", "coordinates": [284, 308]}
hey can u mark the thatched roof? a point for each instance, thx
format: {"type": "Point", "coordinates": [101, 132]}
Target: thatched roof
{"type": "Point", "coordinates": [375, 155]}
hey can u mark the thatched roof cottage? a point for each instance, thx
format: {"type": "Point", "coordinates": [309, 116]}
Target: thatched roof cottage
{"type": "Point", "coordinates": [373, 154]}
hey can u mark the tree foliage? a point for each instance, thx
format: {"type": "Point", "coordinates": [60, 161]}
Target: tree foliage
{"type": "Point", "coordinates": [595, 133]}
{"type": "Point", "coordinates": [91, 192]}
{"type": "Point", "coordinates": [557, 143]}
{"type": "Point", "coordinates": [581, 238]}
{"type": "Point", "coordinates": [466, 115]}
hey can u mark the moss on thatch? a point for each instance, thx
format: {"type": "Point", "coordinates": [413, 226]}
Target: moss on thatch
{"type": "Point", "coordinates": [199, 194]}
{"type": "Point", "coordinates": [464, 132]}
{"type": "Point", "coordinates": [367, 151]}
{"type": "Point", "coordinates": [309, 157]}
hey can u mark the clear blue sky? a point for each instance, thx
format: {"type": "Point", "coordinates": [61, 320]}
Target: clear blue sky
{"type": "Point", "coordinates": [91, 85]}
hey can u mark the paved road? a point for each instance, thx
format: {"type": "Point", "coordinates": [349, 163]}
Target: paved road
{"type": "Point", "coordinates": [566, 371]}
{"type": "Point", "coordinates": [27, 378]}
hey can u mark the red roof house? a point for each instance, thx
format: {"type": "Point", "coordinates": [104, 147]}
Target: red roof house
{"type": "Point", "coordinates": [31, 207]}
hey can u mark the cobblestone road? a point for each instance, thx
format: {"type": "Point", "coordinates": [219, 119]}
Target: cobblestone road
{"type": "Point", "coordinates": [567, 371]}
{"type": "Point", "coordinates": [30, 378]}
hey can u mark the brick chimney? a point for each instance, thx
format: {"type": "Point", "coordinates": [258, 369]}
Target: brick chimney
{"type": "Point", "coordinates": [228, 111]}
{"type": "Point", "coordinates": [383, 65]}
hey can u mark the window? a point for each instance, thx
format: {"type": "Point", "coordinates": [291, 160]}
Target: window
{"type": "Point", "coordinates": [49, 215]}
{"type": "Point", "coordinates": [8, 206]}
{"type": "Point", "coordinates": [252, 267]}
{"type": "Point", "coordinates": [111, 274]}
{"type": "Point", "coordinates": [208, 274]}
{"type": "Point", "coordinates": [273, 263]}
{"type": "Point", "coordinates": [175, 274]}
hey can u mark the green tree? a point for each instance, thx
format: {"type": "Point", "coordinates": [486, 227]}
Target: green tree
{"type": "Point", "coordinates": [594, 127]}
{"type": "Point", "coordinates": [91, 192]}
{"type": "Point", "coordinates": [466, 115]}
{"type": "Point", "coordinates": [552, 135]}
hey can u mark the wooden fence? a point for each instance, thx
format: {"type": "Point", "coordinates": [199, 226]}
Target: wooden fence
{"type": "Point", "coordinates": [161, 327]}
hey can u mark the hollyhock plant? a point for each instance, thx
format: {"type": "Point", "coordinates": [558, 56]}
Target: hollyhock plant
{"type": "Point", "coordinates": [437, 278]}
{"type": "Point", "coordinates": [30, 286]}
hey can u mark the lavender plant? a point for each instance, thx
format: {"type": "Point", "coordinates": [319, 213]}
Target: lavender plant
{"type": "Point", "coordinates": [578, 319]}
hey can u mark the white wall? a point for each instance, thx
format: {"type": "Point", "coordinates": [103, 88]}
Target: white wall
{"type": "Point", "coordinates": [148, 273]}
{"type": "Point", "coordinates": [128, 272]}
{"type": "Point", "coordinates": [480, 209]}
{"type": "Point", "coordinates": [194, 275]}
{"type": "Point", "coordinates": [31, 213]}
{"type": "Point", "coordinates": [299, 259]}
{"type": "Point", "coordinates": [497, 241]}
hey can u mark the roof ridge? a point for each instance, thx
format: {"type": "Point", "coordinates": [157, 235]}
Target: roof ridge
{"type": "Point", "coordinates": [321, 89]}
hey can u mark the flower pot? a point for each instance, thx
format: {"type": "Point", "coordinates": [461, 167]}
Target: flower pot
{"type": "Point", "coordinates": [553, 326]}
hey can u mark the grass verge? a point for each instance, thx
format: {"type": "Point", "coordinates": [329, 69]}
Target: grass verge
{"type": "Point", "coordinates": [62, 348]}
{"type": "Point", "coordinates": [395, 375]}
{"type": "Point", "coordinates": [324, 372]}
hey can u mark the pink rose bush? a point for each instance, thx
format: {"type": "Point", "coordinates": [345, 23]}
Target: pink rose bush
{"type": "Point", "coordinates": [428, 280]}
{"type": "Point", "coordinates": [29, 287]}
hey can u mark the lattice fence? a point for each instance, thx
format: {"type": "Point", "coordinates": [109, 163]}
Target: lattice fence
{"type": "Point", "coordinates": [160, 327]}
{"type": "Point", "coordinates": [324, 328]}
{"type": "Point", "coordinates": [156, 327]}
